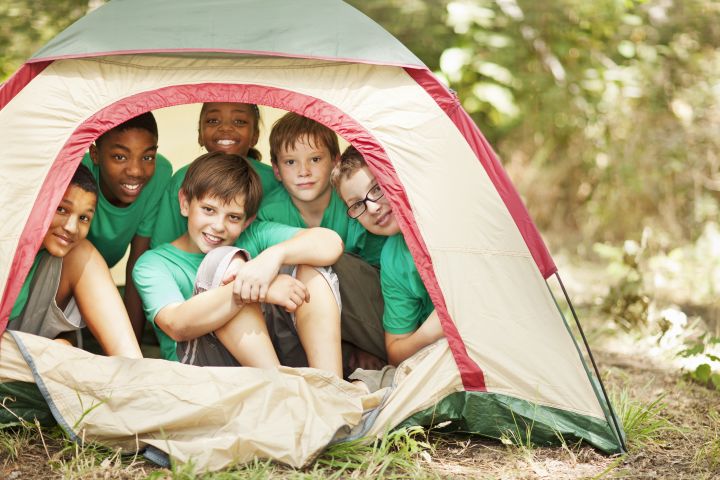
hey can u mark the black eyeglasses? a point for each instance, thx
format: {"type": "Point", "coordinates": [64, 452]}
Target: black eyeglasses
{"type": "Point", "coordinates": [359, 207]}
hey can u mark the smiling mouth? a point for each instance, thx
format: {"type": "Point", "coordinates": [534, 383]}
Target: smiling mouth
{"type": "Point", "coordinates": [383, 219]}
{"type": "Point", "coordinates": [212, 239]}
{"type": "Point", "coordinates": [226, 142]}
{"type": "Point", "coordinates": [132, 188]}
{"type": "Point", "coordinates": [63, 239]}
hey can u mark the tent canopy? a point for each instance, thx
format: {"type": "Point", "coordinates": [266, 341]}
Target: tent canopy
{"type": "Point", "coordinates": [507, 352]}
{"type": "Point", "coordinates": [321, 29]}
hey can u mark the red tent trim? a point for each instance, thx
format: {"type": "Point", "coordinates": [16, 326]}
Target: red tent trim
{"type": "Point", "coordinates": [69, 157]}
{"type": "Point", "coordinates": [451, 106]}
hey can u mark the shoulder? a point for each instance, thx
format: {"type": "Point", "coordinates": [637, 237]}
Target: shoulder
{"type": "Point", "coordinates": [179, 176]}
{"type": "Point", "coordinates": [163, 166]}
{"type": "Point", "coordinates": [395, 256]}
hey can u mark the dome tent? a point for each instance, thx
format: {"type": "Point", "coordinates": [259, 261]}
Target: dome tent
{"type": "Point", "coordinates": [508, 355]}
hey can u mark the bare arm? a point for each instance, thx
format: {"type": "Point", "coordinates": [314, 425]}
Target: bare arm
{"type": "Point", "coordinates": [212, 309]}
{"type": "Point", "coordinates": [199, 315]}
{"type": "Point", "coordinates": [401, 347]}
{"type": "Point", "coordinates": [317, 247]}
{"type": "Point", "coordinates": [86, 277]}
{"type": "Point", "coordinates": [133, 304]}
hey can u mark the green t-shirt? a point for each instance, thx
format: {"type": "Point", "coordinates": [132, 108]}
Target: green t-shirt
{"type": "Point", "coordinates": [113, 228]}
{"type": "Point", "coordinates": [25, 290]}
{"type": "Point", "coordinates": [278, 207]}
{"type": "Point", "coordinates": [171, 224]}
{"type": "Point", "coordinates": [166, 274]}
{"type": "Point", "coordinates": [163, 276]}
{"type": "Point", "coordinates": [407, 303]}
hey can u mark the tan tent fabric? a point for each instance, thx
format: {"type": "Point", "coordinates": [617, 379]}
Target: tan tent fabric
{"type": "Point", "coordinates": [212, 416]}
{"type": "Point", "coordinates": [493, 290]}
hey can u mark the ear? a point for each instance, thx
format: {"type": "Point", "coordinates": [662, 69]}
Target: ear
{"type": "Point", "coordinates": [276, 171]}
{"type": "Point", "coordinates": [249, 221]}
{"type": "Point", "coordinates": [184, 203]}
{"type": "Point", "coordinates": [255, 137]}
{"type": "Point", "coordinates": [94, 154]}
{"type": "Point", "coordinates": [336, 160]}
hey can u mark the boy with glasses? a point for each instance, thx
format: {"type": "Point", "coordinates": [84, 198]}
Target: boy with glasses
{"type": "Point", "coordinates": [409, 319]}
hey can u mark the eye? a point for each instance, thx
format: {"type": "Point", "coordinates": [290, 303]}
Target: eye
{"type": "Point", "coordinates": [118, 157]}
{"type": "Point", "coordinates": [149, 158]}
{"type": "Point", "coordinates": [235, 218]}
{"type": "Point", "coordinates": [375, 192]}
{"type": "Point", "coordinates": [61, 209]}
{"type": "Point", "coordinates": [240, 122]}
{"type": "Point", "coordinates": [289, 162]}
{"type": "Point", "coordinates": [212, 121]}
{"type": "Point", "coordinates": [316, 159]}
{"type": "Point", "coordinates": [208, 210]}
{"type": "Point", "coordinates": [85, 218]}
{"type": "Point", "coordinates": [356, 208]}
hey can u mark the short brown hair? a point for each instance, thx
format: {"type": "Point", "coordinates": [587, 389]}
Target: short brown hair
{"type": "Point", "coordinates": [223, 176]}
{"type": "Point", "coordinates": [292, 127]}
{"type": "Point", "coordinates": [350, 162]}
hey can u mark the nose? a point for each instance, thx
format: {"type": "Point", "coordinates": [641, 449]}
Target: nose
{"type": "Point", "coordinates": [304, 168]}
{"type": "Point", "coordinates": [218, 224]}
{"type": "Point", "coordinates": [372, 207]}
{"type": "Point", "coordinates": [134, 167]}
{"type": "Point", "coordinates": [71, 224]}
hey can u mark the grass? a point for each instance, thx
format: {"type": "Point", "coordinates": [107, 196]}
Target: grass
{"type": "Point", "coordinates": [644, 424]}
{"type": "Point", "coordinates": [708, 455]}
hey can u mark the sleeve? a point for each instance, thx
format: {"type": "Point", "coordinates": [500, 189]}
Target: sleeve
{"type": "Point", "coordinates": [403, 311]}
{"type": "Point", "coordinates": [170, 223]}
{"type": "Point", "coordinates": [155, 284]}
{"type": "Point", "coordinates": [262, 235]}
{"type": "Point", "coordinates": [156, 191]}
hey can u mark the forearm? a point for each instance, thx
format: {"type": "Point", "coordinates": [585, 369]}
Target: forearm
{"type": "Point", "coordinates": [132, 301]}
{"type": "Point", "coordinates": [133, 305]}
{"type": "Point", "coordinates": [317, 247]}
{"type": "Point", "coordinates": [202, 314]}
{"type": "Point", "coordinates": [400, 348]}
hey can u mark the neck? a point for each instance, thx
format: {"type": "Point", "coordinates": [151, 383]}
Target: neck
{"type": "Point", "coordinates": [312, 212]}
{"type": "Point", "coordinates": [184, 243]}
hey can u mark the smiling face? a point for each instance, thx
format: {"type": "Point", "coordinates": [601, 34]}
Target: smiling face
{"type": "Point", "coordinates": [304, 170]}
{"type": "Point", "coordinates": [71, 221]}
{"type": "Point", "coordinates": [127, 163]}
{"type": "Point", "coordinates": [228, 127]}
{"type": "Point", "coordinates": [378, 217]}
{"type": "Point", "coordinates": [212, 223]}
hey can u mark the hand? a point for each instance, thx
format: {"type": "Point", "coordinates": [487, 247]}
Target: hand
{"type": "Point", "coordinates": [287, 292]}
{"type": "Point", "coordinates": [233, 268]}
{"type": "Point", "coordinates": [253, 278]}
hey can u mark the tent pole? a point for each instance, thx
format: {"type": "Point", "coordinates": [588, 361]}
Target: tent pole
{"type": "Point", "coordinates": [592, 360]}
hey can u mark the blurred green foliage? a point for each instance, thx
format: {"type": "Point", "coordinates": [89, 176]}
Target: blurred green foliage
{"type": "Point", "coordinates": [604, 113]}
{"type": "Point", "coordinates": [25, 26]}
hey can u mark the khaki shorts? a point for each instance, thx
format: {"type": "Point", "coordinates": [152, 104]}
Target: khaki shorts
{"type": "Point", "coordinates": [208, 351]}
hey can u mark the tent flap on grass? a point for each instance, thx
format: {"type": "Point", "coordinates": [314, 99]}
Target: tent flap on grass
{"type": "Point", "coordinates": [508, 356]}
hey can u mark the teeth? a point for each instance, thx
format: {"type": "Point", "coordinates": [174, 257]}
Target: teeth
{"type": "Point", "coordinates": [226, 142]}
{"type": "Point", "coordinates": [131, 187]}
{"type": "Point", "coordinates": [212, 238]}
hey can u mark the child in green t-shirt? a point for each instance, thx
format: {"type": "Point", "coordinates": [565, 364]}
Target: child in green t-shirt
{"type": "Point", "coordinates": [226, 127]}
{"type": "Point", "coordinates": [69, 275]}
{"type": "Point", "coordinates": [132, 177]}
{"type": "Point", "coordinates": [303, 152]}
{"type": "Point", "coordinates": [220, 196]}
{"type": "Point", "coordinates": [409, 320]}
